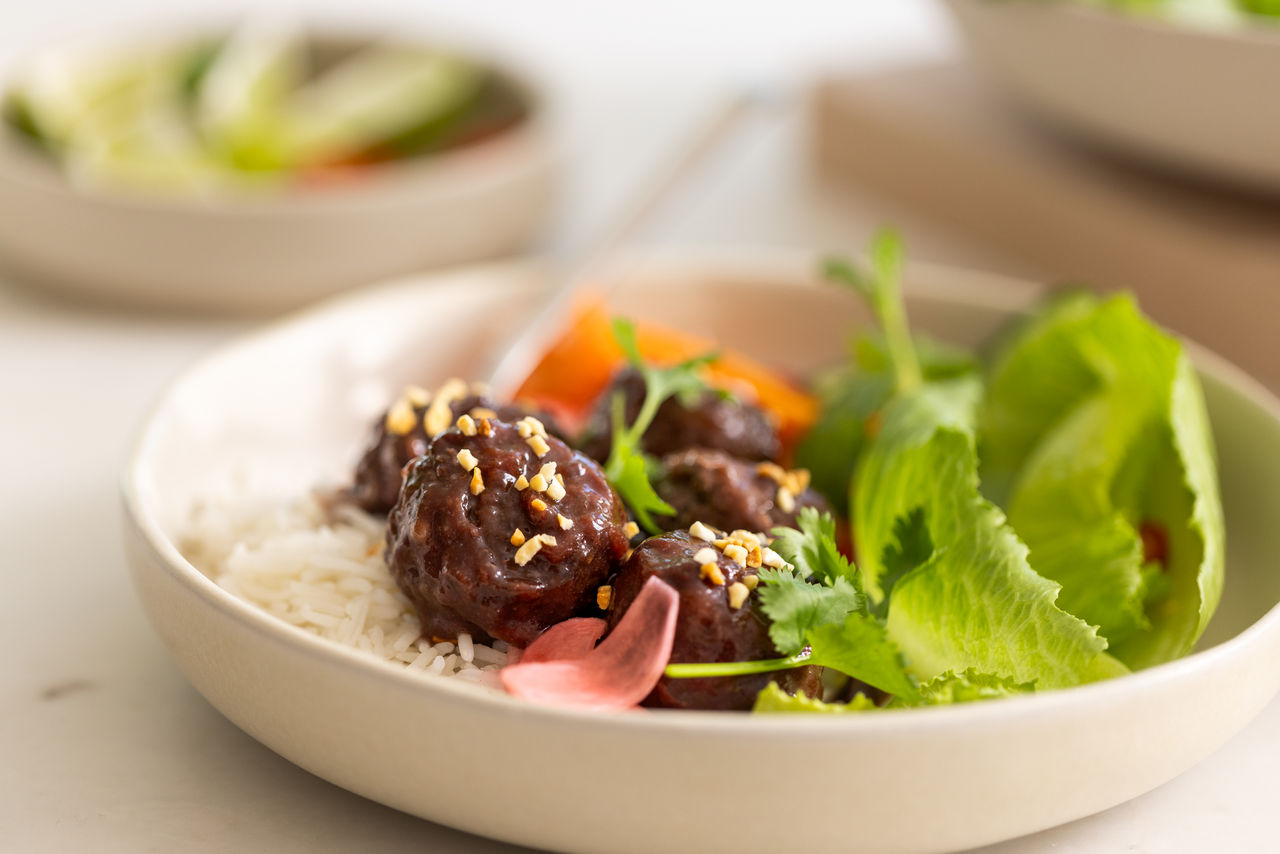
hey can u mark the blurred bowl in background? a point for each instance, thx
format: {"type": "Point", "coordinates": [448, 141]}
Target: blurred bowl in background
{"type": "Point", "coordinates": [1179, 95]}
{"type": "Point", "coordinates": [285, 237]}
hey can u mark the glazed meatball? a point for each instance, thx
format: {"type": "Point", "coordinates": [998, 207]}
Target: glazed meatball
{"type": "Point", "coordinates": [729, 493]}
{"type": "Point", "coordinates": [714, 421]}
{"type": "Point", "coordinates": [718, 619]}
{"type": "Point", "coordinates": [501, 530]}
{"type": "Point", "coordinates": [402, 434]}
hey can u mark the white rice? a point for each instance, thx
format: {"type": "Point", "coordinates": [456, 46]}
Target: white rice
{"type": "Point", "coordinates": [324, 572]}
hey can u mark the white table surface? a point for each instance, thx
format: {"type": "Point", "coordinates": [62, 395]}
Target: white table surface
{"type": "Point", "coordinates": [105, 748]}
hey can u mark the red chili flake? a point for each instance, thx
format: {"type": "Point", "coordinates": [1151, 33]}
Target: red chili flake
{"type": "Point", "coordinates": [1155, 542]}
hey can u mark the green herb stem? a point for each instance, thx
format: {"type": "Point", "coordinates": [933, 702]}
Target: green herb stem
{"type": "Point", "coordinates": [886, 260]}
{"type": "Point", "coordinates": [736, 668]}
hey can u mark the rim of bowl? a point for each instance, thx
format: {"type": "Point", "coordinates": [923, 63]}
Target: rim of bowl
{"type": "Point", "coordinates": [451, 168]}
{"type": "Point", "coordinates": [936, 283]}
{"type": "Point", "coordinates": [1252, 29]}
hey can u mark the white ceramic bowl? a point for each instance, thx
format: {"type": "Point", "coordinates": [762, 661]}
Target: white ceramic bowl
{"type": "Point", "coordinates": [1178, 95]}
{"type": "Point", "coordinates": [290, 405]}
{"type": "Point", "coordinates": [247, 253]}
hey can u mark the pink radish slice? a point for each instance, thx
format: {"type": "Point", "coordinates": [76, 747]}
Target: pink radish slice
{"type": "Point", "coordinates": [618, 673]}
{"type": "Point", "coordinates": [571, 639]}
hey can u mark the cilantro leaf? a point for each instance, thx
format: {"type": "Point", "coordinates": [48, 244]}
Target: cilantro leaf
{"type": "Point", "coordinates": [881, 286]}
{"type": "Point", "coordinates": [812, 549]}
{"type": "Point", "coordinates": [818, 615]}
{"type": "Point", "coordinates": [828, 615]}
{"type": "Point", "coordinates": [628, 472]}
{"type": "Point", "coordinates": [628, 467]}
{"type": "Point", "coordinates": [682, 378]}
{"type": "Point", "coordinates": [795, 607]}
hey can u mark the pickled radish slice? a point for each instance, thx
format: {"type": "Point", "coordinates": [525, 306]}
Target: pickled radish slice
{"type": "Point", "coordinates": [618, 673]}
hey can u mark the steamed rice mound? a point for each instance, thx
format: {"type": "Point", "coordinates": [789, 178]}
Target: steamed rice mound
{"type": "Point", "coordinates": [322, 570]}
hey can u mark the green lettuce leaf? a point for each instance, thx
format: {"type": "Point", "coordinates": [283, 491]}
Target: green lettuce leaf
{"type": "Point", "coordinates": [848, 398]}
{"type": "Point", "coordinates": [1093, 425]}
{"type": "Point", "coordinates": [968, 686]}
{"type": "Point", "coordinates": [974, 602]}
{"type": "Point", "coordinates": [861, 648]}
{"type": "Point", "coordinates": [773, 700]}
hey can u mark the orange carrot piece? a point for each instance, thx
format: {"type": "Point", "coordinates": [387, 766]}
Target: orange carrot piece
{"type": "Point", "coordinates": [580, 364]}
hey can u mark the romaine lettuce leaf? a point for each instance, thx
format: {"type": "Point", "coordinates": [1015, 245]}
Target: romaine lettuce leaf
{"type": "Point", "coordinates": [1093, 425]}
{"type": "Point", "coordinates": [968, 686]}
{"type": "Point", "coordinates": [1183, 497]}
{"type": "Point", "coordinates": [861, 648]}
{"type": "Point", "coordinates": [849, 397]}
{"type": "Point", "coordinates": [975, 602]}
{"type": "Point", "coordinates": [774, 699]}
{"type": "Point", "coordinates": [944, 690]}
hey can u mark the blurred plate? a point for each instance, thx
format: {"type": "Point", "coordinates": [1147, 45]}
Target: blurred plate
{"type": "Point", "coordinates": [1196, 98]}
{"type": "Point", "coordinates": [234, 251]}
{"type": "Point", "coordinates": [289, 407]}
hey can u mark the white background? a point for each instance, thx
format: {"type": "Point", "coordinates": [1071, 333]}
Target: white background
{"type": "Point", "coordinates": [103, 746]}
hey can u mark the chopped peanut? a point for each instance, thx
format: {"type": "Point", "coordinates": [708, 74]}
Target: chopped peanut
{"type": "Point", "coordinates": [525, 553]}
{"type": "Point", "coordinates": [786, 500]}
{"type": "Point", "coordinates": [401, 418]}
{"type": "Point", "coordinates": [702, 532]}
{"type": "Point", "coordinates": [436, 419]}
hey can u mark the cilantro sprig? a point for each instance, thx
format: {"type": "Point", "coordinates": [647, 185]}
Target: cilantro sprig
{"type": "Point", "coordinates": [881, 286]}
{"type": "Point", "coordinates": [795, 606]}
{"type": "Point", "coordinates": [628, 467]}
{"type": "Point", "coordinates": [819, 615]}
